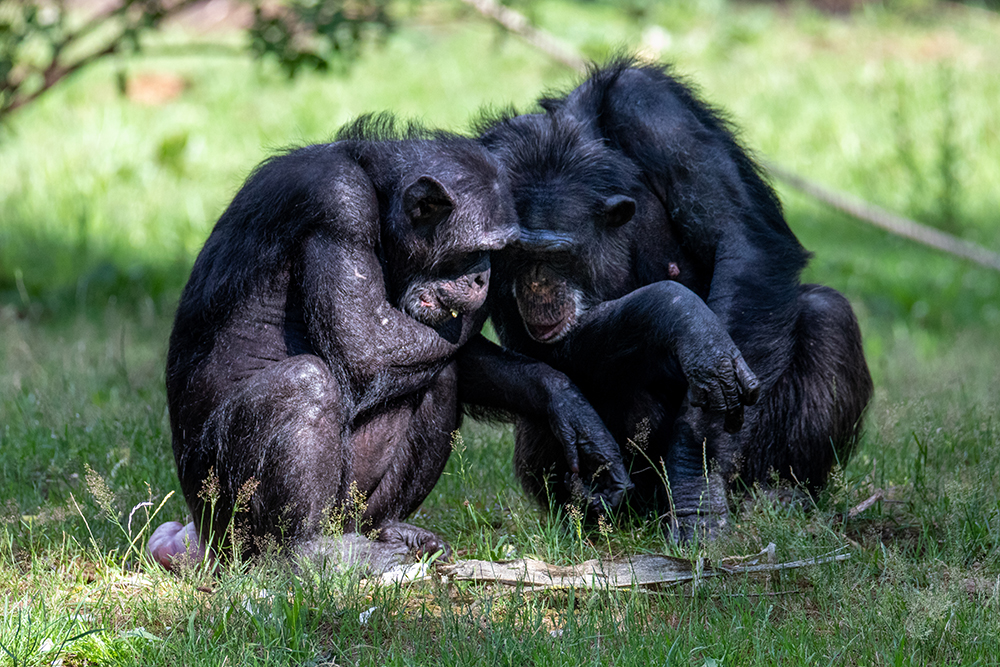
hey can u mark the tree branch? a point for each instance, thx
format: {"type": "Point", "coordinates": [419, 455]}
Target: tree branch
{"type": "Point", "coordinates": [890, 222]}
{"type": "Point", "coordinates": [520, 25]}
{"type": "Point", "coordinates": [56, 71]}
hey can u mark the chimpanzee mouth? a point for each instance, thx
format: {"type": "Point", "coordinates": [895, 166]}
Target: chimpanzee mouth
{"type": "Point", "coordinates": [544, 333]}
{"type": "Point", "coordinates": [546, 303]}
{"type": "Point", "coordinates": [443, 320]}
{"type": "Point", "coordinates": [447, 322]}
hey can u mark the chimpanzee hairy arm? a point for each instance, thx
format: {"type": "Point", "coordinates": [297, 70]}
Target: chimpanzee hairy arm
{"type": "Point", "coordinates": [719, 205]}
{"type": "Point", "coordinates": [493, 379]}
{"type": "Point", "coordinates": [349, 320]}
{"type": "Point", "coordinates": [665, 321]}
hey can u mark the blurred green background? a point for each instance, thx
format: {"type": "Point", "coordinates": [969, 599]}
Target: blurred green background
{"type": "Point", "coordinates": [110, 182]}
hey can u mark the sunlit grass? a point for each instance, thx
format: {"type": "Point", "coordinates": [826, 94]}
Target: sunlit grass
{"type": "Point", "coordinates": [920, 584]}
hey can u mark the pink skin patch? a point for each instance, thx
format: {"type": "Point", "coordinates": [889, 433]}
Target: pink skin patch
{"type": "Point", "coordinates": [173, 545]}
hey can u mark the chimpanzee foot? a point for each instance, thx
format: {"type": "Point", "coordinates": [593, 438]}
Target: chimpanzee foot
{"type": "Point", "coordinates": [175, 546]}
{"type": "Point", "coordinates": [700, 510]}
{"type": "Point", "coordinates": [695, 527]}
{"type": "Point", "coordinates": [417, 541]}
{"type": "Point", "coordinates": [352, 551]}
{"type": "Point", "coordinates": [395, 544]}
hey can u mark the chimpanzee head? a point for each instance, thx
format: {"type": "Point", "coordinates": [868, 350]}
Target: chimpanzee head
{"type": "Point", "coordinates": [449, 209]}
{"type": "Point", "coordinates": [573, 195]}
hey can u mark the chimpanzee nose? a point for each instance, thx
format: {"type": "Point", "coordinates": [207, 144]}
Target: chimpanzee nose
{"type": "Point", "coordinates": [479, 284]}
{"type": "Point", "coordinates": [467, 293]}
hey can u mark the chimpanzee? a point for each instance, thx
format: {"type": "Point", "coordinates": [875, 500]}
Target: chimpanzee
{"type": "Point", "coordinates": [655, 268]}
{"type": "Point", "coordinates": [314, 357]}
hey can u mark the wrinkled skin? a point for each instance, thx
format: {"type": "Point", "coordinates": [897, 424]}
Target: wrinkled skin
{"type": "Point", "coordinates": [655, 268]}
{"type": "Point", "coordinates": [313, 369]}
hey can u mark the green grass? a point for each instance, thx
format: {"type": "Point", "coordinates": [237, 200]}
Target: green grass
{"type": "Point", "coordinates": [104, 203]}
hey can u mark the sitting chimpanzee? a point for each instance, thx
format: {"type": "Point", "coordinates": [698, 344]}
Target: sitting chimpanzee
{"type": "Point", "coordinates": [655, 268]}
{"type": "Point", "coordinates": [314, 359]}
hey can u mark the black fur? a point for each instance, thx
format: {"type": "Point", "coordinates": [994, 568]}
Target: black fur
{"type": "Point", "coordinates": [318, 346]}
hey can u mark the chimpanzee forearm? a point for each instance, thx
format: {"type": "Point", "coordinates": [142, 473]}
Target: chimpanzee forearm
{"type": "Point", "coordinates": [496, 379]}
{"type": "Point", "coordinates": [748, 300]}
{"type": "Point", "coordinates": [352, 324]}
{"type": "Point", "coordinates": [661, 321]}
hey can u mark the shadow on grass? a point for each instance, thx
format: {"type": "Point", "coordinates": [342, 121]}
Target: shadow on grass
{"type": "Point", "coordinates": [48, 279]}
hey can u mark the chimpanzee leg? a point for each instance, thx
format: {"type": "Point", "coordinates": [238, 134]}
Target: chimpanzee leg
{"type": "Point", "coordinates": [276, 454]}
{"type": "Point", "coordinates": [696, 502]}
{"type": "Point", "coordinates": [804, 423]}
{"type": "Point", "coordinates": [810, 419]}
{"type": "Point", "coordinates": [397, 464]}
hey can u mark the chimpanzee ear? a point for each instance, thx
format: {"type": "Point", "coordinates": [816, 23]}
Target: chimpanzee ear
{"type": "Point", "coordinates": [618, 209]}
{"type": "Point", "coordinates": [426, 202]}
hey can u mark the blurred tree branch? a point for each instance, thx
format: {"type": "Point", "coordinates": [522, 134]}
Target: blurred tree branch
{"type": "Point", "coordinates": [42, 42]}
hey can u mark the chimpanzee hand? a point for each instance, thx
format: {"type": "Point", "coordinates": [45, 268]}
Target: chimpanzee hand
{"type": "Point", "coordinates": [584, 436]}
{"type": "Point", "coordinates": [719, 379]}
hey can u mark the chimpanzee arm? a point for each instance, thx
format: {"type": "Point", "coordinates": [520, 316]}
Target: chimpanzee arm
{"type": "Point", "coordinates": [662, 321]}
{"type": "Point", "coordinates": [348, 317]}
{"type": "Point", "coordinates": [724, 213]}
{"type": "Point", "coordinates": [494, 378]}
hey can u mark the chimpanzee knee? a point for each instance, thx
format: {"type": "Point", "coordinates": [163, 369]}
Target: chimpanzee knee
{"type": "Point", "coordinates": [415, 454]}
{"type": "Point", "coordinates": [811, 417]}
{"type": "Point", "coordinates": [274, 451]}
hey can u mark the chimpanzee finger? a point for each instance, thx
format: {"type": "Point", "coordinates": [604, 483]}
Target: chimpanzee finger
{"type": "Point", "coordinates": [733, 407]}
{"type": "Point", "coordinates": [570, 452]}
{"type": "Point", "coordinates": [617, 489]}
{"type": "Point", "coordinates": [730, 389]}
{"type": "Point", "coordinates": [601, 504]}
{"type": "Point", "coordinates": [749, 384]}
{"type": "Point", "coordinates": [600, 452]}
{"type": "Point", "coordinates": [609, 487]}
{"type": "Point", "coordinates": [573, 432]}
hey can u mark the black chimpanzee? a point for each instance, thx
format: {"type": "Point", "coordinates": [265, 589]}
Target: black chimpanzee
{"type": "Point", "coordinates": [655, 268]}
{"type": "Point", "coordinates": [314, 354]}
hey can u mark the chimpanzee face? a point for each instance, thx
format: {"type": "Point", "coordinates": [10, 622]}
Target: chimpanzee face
{"type": "Point", "coordinates": [561, 263]}
{"type": "Point", "coordinates": [572, 195]}
{"type": "Point", "coordinates": [446, 229]}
